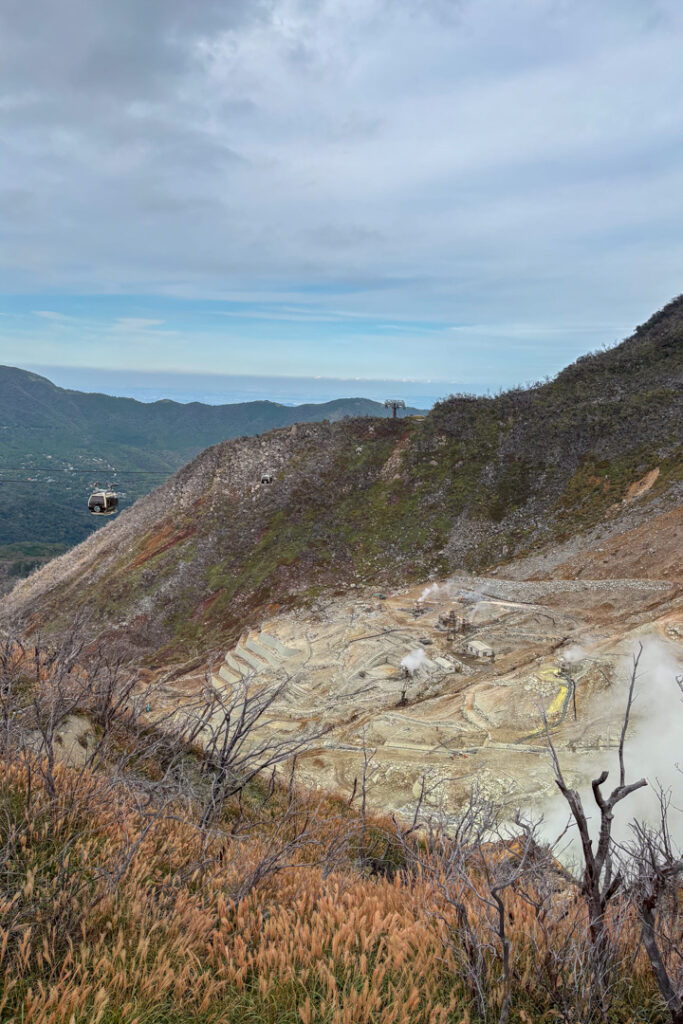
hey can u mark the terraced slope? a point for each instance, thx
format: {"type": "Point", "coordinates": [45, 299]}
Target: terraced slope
{"type": "Point", "coordinates": [560, 646]}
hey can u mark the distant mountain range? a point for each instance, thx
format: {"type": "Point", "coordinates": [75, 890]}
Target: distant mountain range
{"type": "Point", "coordinates": [55, 443]}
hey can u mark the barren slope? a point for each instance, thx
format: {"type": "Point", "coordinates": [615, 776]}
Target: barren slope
{"type": "Point", "coordinates": [560, 645]}
{"type": "Point", "coordinates": [476, 483]}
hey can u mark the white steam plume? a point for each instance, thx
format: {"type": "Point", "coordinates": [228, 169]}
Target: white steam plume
{"type": "Point", "coordinates": [653, 749]}
{"type": "Point", "coordinates": [412, 662]}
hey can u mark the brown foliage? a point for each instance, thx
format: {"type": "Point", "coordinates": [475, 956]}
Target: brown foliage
{"type": "Point", "coordinates": [120, 901]}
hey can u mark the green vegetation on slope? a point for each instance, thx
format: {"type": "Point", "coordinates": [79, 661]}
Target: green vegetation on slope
{"type": "Point", "coordinates": [389, 501]}
{"type": "Point", "coordinates": [55, 444]}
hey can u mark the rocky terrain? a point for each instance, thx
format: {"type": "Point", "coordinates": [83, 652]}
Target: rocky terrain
{"type": "Point", "coordinates": [398, 677]}
{"type": "Point", "coordinates": [444, 685]}
{"type": "Point", "coordinates": [425, 587]}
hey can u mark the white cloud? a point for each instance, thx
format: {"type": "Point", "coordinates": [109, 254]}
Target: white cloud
{"type": "Point", "coordinates": [48, 314]}
{"type": "Point", "coordinates": [136, 323]}
{"type": "Point", "coordinates": [479, 162]}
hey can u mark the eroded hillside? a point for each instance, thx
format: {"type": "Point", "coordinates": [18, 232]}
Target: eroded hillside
{"type": "Point", "coordinates": [446, 685]}
{"type": "Point", "coordinates": [478, 482]}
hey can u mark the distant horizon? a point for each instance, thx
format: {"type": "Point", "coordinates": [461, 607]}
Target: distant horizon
{"type": "Point", "coordinates": [229, 389]}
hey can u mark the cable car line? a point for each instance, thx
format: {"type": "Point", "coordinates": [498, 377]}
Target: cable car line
{"type": "Point", "coordinates": [104, 501]}
{"type": "Point", "coordinates": [49, 469]}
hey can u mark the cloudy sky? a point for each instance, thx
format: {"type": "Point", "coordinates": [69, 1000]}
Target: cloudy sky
{"type": "Point", "coordinates": [475, 191]}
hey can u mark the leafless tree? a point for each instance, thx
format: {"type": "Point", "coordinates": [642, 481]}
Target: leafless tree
{"type": "Point", "coordinates": [655, 866]}
{"type": "Point", "coordinates": [227, 731]}
{"type": "Point", "coordinates": [655, 872]}
{"type": "Point", "coordinates": [44, 684]}
{"type": "Point", "coordinates": [156, 762]}
{"type": "Point", "coordinates": [602, 877]}
{"type": "Point", "coordinates": [472, 861]}
{"type": "Point", "coordinates": [292, 829]}
{"type": "Point", "coordinates": [209, 747]}
{"type": "Point", "coordinates": [560, 945]}
{"type": "Point", "coordinates": [368, 755]}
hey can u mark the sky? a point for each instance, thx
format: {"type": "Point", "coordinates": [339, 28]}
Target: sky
{"type": "Point", "coordinates": [467, 192]}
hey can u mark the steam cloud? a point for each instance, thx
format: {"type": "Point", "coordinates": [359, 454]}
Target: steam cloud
{"type": "Point", "coordinates": [652, 750]}
{"type": "Point", "coordinates": [412, 662]}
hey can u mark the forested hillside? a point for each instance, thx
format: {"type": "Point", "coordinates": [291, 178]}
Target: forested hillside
{"type": "Point", "coordinates": [56, 443]}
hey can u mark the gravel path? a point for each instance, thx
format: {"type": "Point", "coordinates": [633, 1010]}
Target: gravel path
{"type": "Point", "coordinates": [513, 590]}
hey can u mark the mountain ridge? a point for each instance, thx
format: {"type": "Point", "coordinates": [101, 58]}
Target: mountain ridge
{"type": "Point", "coordinates": [478, 482]}
{"type": "Point", "coordinates": [62, 441]}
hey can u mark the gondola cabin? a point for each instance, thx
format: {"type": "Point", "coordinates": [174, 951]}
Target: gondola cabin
{"type": "Point", "coordinates": [103, 503]}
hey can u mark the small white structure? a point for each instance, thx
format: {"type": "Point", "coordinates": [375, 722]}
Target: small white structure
{"type": "Point", "coordinates": [479, 649]}
{"type": "Point", "coordinates": [267, 477]}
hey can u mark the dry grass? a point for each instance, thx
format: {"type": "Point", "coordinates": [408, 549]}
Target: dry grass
{"type": "Point", "coordinates": [111, 914]}
{"type": "Point", "coordinates": [122, 903]}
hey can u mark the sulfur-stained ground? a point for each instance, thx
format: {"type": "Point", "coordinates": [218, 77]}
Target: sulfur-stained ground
{"type": "Point", "coordinates": [560, 648]}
